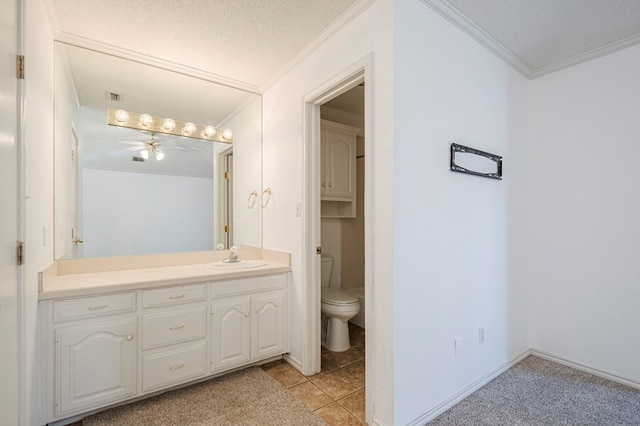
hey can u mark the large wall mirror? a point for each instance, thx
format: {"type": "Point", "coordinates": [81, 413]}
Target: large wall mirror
{"type": "Point", "coordinates": [183, 194]}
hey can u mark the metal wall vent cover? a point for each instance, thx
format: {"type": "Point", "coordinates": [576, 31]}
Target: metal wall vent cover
{"type": "Point", "coordinates": [112, 96]}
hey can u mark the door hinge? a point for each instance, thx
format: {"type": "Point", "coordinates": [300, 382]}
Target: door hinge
{"type": "Point", "coordinates": [226, 228]}
{"type": "Point", "coordinates": [20, 67]}
{"type": "Point", "coordinates": [227, 175]}
{"type": "Point", "coordinates": [20, 253]}
{"type": "Point", "coordinates": [318, 250]}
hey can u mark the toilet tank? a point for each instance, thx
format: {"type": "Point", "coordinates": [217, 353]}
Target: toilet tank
{"type": "Point", "coordinates": [326, 265]}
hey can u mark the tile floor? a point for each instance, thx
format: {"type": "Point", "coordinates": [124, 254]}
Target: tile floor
{"type": "Point", "coordinates": [337, 393]}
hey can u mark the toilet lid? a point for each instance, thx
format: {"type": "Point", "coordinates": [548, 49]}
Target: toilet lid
{"type": "Point", "coordinates": [336, 296]}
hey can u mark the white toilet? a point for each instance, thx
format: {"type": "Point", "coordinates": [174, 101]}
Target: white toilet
{"type": "Point", "coordinates": [338, 307]}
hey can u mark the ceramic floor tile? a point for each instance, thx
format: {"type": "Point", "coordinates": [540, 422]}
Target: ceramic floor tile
{"type": "Point", "coordinates": [343, 358]}
{"type": "Point", "coordinates": [335, 415]}
{"type": "Point", "coordinates": [273, 364]}
{"type": "Point", "coordinates": [337, 384]}
{"type": "Point", "coordinates": [311, 395]}
{"type": "Point", "coordinates": [327, 366]}
{"type": "Point", "coordinates": [286, 375]}
{"type": "Point", "coordinates": [354, 404]}
{"type": "Point", "coordinates": [357, 369]}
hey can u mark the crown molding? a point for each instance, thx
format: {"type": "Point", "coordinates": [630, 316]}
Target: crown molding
{"type": "Point", "coordinates": [342, 21]}
{"type": "Point", "coordinates": [109, 49]}
{"type": "Point", "coordinates": [587, 56]}
{"type": "Point", "coordinates": [454, 16]}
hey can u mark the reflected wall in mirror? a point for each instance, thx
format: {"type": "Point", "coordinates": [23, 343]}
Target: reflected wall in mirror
{"type": "Point", "coordinates": [121, 191]}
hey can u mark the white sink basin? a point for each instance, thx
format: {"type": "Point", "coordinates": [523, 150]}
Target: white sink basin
{"type": "Point", "coordinates": [241, 264]}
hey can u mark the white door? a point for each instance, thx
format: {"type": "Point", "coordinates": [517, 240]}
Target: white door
{"type": "Point", "coordinates": [8, 213]}
{"type": "Point", "coordinates": [96, 364]}
{"type": "Point", "coordinates": [267, 325]}
{"type": "Point", "coordinates": [231, 325]}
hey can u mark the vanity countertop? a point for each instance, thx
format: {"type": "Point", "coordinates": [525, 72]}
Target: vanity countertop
{"type": "Point", "coordinates": [84, 284]}
{"type": "Point", "coordinates": [82, 277]}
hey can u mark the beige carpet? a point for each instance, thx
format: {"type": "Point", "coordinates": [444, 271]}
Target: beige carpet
{"type": "Point", "coordinates": [247, 397]}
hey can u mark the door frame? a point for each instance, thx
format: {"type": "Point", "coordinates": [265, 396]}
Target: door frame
{"type": "Point", "coordinates": [352, 76]}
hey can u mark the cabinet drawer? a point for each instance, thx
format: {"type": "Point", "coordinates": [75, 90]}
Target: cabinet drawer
{"type": "Point", "coordinates": [167, 368]}
{"type": "Point", "coordinates": [173, 295]}
{"type": "Point", "coordinates": [165, 328]}
{"type": "Point", "coordinates": [247, 285]}
{"type": "Point", "coordinates": [89, 307]}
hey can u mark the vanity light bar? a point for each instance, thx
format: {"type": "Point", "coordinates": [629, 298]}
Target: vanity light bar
{"type": "Point", "coordinates": [133, 120]}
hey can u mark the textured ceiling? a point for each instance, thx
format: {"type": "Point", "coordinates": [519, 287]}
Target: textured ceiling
{"type": "Point", "coordinates": [251, 41]}
{"type": "Point", "coordinates": [547, 34]}
{"type": "Point", "coordinates": [247, 40]}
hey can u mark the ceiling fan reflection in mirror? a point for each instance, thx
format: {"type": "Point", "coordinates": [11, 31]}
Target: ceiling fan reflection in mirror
{"type": "Point", "coordinates": [151, 147]}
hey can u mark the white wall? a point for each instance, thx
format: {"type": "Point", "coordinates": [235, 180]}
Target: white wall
{"type": "Point", "coordinates": [172, 213]}
{"type": "Point", "coordinates": [454, 240]}
{"type": "Point", "coordinates": [39, 189]}
{"type": "Point", "coordinates": [368, 34]}
{"type": "Point", "coordinates": [67, 118]}
{"type": "Point", "coordinates": [247, 176]}
{"type": "Point", "coordinates": [585, 232]}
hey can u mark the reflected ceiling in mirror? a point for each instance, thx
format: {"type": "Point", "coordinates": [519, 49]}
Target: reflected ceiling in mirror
{"type": "Point", "coordinates": [126, 191]}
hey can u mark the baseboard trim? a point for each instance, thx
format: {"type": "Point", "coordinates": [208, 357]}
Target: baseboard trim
{"type": "Point", "coordinates": [587, 369]}
{"type": "Point", "coordinates": [294, 362]}
{"type": "Point", "coordinates": [454, 399]}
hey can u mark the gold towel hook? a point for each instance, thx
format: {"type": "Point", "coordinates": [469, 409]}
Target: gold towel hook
{"type": "Point", "coordinates": [262, 202]}
{"type": "Point", "coordinates": [251, 201]}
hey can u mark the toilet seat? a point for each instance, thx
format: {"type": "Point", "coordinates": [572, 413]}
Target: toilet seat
{"type": "Point", "coordinates": [336, 296]}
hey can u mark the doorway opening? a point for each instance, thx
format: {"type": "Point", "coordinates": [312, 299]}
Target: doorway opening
{"type": "Point", "coordinates": [338, 226]}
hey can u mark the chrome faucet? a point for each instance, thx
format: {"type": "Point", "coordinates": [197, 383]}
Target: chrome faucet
{"type": "Point", "coordinates": [233, 255]}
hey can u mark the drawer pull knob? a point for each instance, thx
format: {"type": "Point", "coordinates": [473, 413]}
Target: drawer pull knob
{"type": "Point", "coordinates": [176, 327]}
{"type": "Point", "coordinates": [130, 337]}
{"type": "Point", "coordinates": [176, 367]}
{"type": "Point", "coordinates": [96, 307]}
{"type": "Point", "coordinates": [176, 296]}
{"type": "Point", "coordinates": [246, 314]}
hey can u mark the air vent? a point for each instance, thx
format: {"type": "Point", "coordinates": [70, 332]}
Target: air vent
{"type": "Point", "coordinates": [139, 159]}
{"type": "Point", "coordinates": [112, 96]}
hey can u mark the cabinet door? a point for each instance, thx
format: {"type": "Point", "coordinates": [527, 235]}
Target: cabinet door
{"type": "Point", "coordinates": [267, 325]}
{"type": "Point", "coordinates": [230, 325]}
{"type": "Point", "coordinates": [341, 154]}
{"type": "Point", "coordinates": [96, 364]}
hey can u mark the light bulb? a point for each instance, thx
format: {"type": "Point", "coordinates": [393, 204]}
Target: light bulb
{"type": "Point", "coordinates": [121, 116]}
{"type": "Point", "coordinates": [168, 124]}
{"type": "Point", "coordinates": [145, 154]}
{"type": "Point", "coordinates": [209, 131]}
{"type": "Point", "coordinates": [159, 155]}
{"type": "Point", "coordinates": [189, 128]}
{"type": "Point", "coordinates": [227, 134]}
{"type": "Point", "coordinates": [145, 120]}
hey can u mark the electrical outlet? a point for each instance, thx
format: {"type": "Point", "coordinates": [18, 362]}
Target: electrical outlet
{"type": "Point", "coordinates": [457, 346]}
{"type": "Point", "coordinates": [481, 335]}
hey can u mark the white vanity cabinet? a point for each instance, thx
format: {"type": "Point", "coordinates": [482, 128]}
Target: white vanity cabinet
{"type": "Point", "coordinates": [108, 348]}
{"type": "Point", "coordinates": [338, 169]}
{"type": "Point", "coordinates": [96, 350]}
{"type": "Point", "coordinates": [248, 321]}
{"type": "Point", "coordinates": [174, 333]}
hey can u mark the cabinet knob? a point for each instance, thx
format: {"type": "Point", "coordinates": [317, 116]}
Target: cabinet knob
{"type": "Point", "coordinates": [246, 314]}
{"type": "Point", "coordinates": [324, 185]}
{"type": "Point", "coordinates": [130, 337]}
{"type": "Point", "coordinates": [330, 185]}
